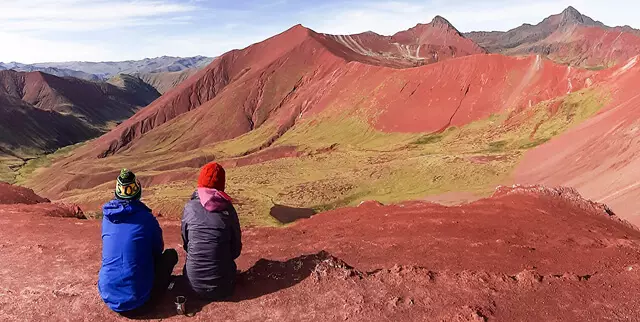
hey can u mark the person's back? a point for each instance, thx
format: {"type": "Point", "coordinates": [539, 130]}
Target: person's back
{"type": "Point", "coordinates": [212, 237]}
{"type": "Point", "coordinates": [132, 250]}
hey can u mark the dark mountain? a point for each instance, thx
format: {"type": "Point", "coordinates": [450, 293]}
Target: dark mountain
{"type": "Point", "coordinates": [41, 112]}
{"type": "Point", "coordinates": [569, 38]}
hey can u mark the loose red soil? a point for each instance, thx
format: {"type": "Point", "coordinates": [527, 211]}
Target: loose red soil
{"type": "Point", "coordinates": [527, 254]}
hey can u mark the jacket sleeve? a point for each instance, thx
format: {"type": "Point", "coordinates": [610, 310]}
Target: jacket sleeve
{"type": "Point", "coordinates": [158, 241]}
{"type": "Point", "coordinates": [185, 231]}
{"type": "Point", "coordinates": [236, 236]}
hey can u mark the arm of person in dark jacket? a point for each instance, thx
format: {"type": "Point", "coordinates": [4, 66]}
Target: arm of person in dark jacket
{"type": "Point", "coordinates": [185, 236]}
{"type": "Point", "coordinates": [236, 236]}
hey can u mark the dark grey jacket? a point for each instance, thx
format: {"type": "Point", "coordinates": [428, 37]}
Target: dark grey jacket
{"type": "Point", "coordinates": [212, 240]}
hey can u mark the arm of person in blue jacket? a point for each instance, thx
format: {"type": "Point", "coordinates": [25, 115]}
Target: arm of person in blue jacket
{"type": "Point", "coordinates": [158, 241]}
{"type": "Point", "coordinates": [236, 236]}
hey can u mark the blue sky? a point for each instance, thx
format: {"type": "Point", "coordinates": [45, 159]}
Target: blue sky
{"type": "Point", "coordinates": [98, 30]}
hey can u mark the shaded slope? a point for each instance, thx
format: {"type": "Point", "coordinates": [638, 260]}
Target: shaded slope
{"type": "Point", "coordinates": [165, 81]}
{"type": "Point", "coordinates": [569, 37]}
{"type": "Point", "coordinates": [27, 130]}
{"type": "Point", "coordinates": [44, 112]}
{"type": "Point", "coordinates": [599, 157]}
{"type": "Point", "coordinates": [527, 254]}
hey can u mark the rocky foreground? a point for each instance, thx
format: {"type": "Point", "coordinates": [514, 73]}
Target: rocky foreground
{"type": "Point", "coordinates": [525, 254]}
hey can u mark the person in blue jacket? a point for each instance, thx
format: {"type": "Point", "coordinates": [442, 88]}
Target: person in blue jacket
{"type": "Point", "coordinates": [135, 271]}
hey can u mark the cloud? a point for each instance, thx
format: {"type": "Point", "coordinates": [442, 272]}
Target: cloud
{"type": "Point", "coordinates": [390, 17]}
{"type": "Point", "coordinates": [28, 49]}
{"type": "Point", "coordinates": [75, 15]}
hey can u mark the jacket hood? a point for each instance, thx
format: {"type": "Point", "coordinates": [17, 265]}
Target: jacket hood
{"type": "Point", "coordinates": [117, 210]}
{"type": "Point", "coordinates": [212, 199]}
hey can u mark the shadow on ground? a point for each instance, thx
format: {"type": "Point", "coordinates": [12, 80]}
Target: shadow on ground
{"type": "Point", "coordinates": [264, 278]}
{"type": "Point", "coordinates": [286, 215]}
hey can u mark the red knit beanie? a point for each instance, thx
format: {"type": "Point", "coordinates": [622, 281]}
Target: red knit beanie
{"type": "Point", "coordinates": [212, 176]}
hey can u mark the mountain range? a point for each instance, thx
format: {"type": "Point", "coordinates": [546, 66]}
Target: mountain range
{"type": "Point", "coordinates": [106, 70]}
{"type": "Point", "coordinates": [441, 108]}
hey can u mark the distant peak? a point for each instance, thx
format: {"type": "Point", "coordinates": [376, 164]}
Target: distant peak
{"type": "Point", "coordinates": [439, 21]}
{"type": "Point", "coordinates": [571, 11]}
{"type": "Point", "coordinates": [572, 16]}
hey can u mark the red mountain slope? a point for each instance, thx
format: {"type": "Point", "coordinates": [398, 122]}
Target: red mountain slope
{"type": "Point", "coordinates": [601, 156]}
{"type": "Point", "coordinates": [304, 72]}
{"type": "Point", "coordinates": [298, 55]}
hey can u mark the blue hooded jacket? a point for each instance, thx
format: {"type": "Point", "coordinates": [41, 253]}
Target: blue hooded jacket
{"type": "Point", "coordinates": [131, 241]}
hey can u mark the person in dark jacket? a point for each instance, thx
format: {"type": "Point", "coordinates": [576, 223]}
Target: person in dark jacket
{"type": "Point", "coordinates": [211, 236]}
{"type": "Point", "coordinates": [135, 270]}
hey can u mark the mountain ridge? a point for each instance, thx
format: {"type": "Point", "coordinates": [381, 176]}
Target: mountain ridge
{"type": "Point", "coordinates": [567, 38]}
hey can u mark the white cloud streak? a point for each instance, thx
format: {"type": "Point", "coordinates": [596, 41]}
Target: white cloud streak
{"type": "Point", "coordinates": [74, 15]}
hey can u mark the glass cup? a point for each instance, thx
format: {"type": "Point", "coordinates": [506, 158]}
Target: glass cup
{"type": "Point", "coordinates": [181, 307]}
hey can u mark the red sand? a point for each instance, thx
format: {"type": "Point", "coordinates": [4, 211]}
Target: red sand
{"type": "Point", "coordinates": [529, 254]}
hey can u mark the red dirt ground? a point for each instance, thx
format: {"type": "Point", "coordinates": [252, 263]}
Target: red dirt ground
{"type": "Point", "coordinates": [526, 254]}
{"type": "Point", "coordinates": [600, 157]}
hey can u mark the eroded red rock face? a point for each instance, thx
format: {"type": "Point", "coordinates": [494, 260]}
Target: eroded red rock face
{"type": "Point", "coordinates": [526, 254]}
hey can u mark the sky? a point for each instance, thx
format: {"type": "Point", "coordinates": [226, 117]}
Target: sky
{"type": "Point", "coordinates": [112, 30]}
